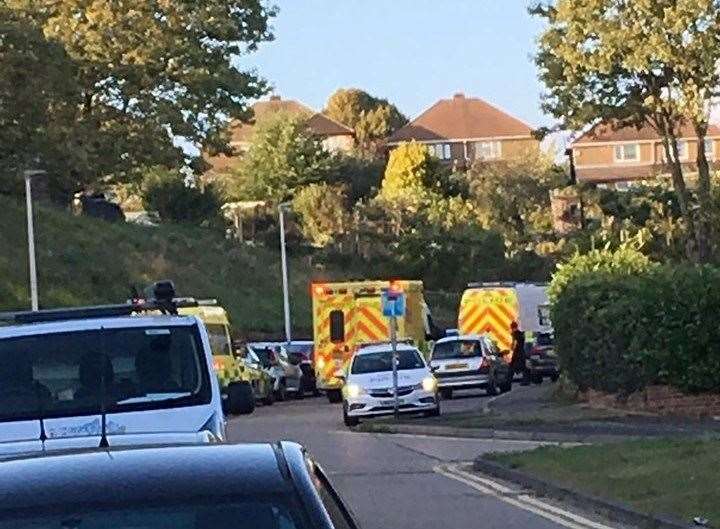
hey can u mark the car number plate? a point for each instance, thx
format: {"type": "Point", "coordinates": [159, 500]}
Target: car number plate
{"type": "Point", "coordinates": [390, 402]}
{"type": "Point", "coordinates": [457, 366]}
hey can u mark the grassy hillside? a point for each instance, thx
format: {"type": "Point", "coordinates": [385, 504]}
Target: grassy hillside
{"type": "Point", "coordinates": [83, 261]}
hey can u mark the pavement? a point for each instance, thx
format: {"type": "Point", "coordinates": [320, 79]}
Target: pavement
{"type": "Point", "coordinates": [408, 481]}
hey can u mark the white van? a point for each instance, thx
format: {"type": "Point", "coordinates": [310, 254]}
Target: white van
{"type": "Point", "coordinates": [99, 381]}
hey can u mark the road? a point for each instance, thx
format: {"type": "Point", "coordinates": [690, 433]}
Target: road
{"type": "Point", "coordinates": [393, 481]}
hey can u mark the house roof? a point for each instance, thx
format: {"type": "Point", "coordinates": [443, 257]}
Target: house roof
{"type": "Point", "coordinates": [609, 132]}
{"type": "Point", "coordinates": [318, 123]}
{"type": "Point", "coordinates": [461, 118]}
{"type": "Point", "coordinates": [323, 125]}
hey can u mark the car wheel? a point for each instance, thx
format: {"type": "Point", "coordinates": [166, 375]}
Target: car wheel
{"type": "Point", "coordinates": [435, 412]}
{"type": "Point", "coordinates": [269, 399]}
{"type": "Point", "coordinates": [349, 421]}
{"type": "Point", "coordinates": [240, 394]}
{"type": "Point", "coordinates": [334, 396]}
{"type": "Point", "coordinates": [281, 392]}
{"type": "Point", "coordinates": [491, 389]}
{"type": "Point", "coordinates": [300, 393]}
{"type": "Point", "coordinates": [446, 394]}
{"type": "Point", "coordinates": [555, 378]}
{"type": "Point", "coordinates": [536, 379]}
{"type": "Point", "coordinates": [507, 385]}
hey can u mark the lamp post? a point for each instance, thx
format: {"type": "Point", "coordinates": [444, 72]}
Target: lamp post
{"type": "Point", "coordinates": [29, 174]}
{"type": "Point", "coordinates": [283, 256]}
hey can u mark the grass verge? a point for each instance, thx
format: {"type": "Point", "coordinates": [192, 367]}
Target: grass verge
{"type": "Point", "coordinates": [676, 477]}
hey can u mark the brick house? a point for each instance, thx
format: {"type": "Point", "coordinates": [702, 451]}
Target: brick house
{"type": "Point", "coordinates": [611, 155]}
{"type": "Point", "coordinates": [464, 129]}
{"type": "Point", "coordinates": [333, 135]}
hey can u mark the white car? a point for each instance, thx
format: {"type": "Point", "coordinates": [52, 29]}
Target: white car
{"type": "Point", "coordinates": [99, 381]}
{"type": "Point", "coordinates": [368, 389]}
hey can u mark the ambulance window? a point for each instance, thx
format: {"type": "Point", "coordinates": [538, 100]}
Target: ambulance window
{"type": "Point", "coordinates": [337, 326]}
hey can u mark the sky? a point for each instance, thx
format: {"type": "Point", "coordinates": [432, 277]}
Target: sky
{"type": "Point", "coordinates": [411, 52]}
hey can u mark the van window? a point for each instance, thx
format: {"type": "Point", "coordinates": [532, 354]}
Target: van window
{"type": "Point", "coordinates": [219, 339]}
{"type": "Point", "coordinates": [80, 373]}
{"type": "Point", "coordinates": [337, 326]}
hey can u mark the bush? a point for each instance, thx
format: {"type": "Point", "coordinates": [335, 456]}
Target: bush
{"type": "Point", "coordinates": [618, 332]}
{"type": "Point", "coordinates": [168, 193]}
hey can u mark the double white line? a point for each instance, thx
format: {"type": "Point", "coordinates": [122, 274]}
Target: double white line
{"type": "Point", "coordinates": [516, 499]}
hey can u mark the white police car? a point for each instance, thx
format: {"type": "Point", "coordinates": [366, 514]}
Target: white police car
{"type": "Point", "coordinates": [368, 389]}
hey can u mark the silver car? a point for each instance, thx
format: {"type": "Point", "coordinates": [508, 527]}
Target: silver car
{"type": "Point", "coordinates": [470, 361]}
{"type": "Point", "coordinates": [285, 371]}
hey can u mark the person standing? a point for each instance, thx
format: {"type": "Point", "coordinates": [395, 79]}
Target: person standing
{"type": "Point", "coordinates": [518, 351]}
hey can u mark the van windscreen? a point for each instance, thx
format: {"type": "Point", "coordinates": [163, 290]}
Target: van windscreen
{"type": "Point", "coordinates": [80, 373]}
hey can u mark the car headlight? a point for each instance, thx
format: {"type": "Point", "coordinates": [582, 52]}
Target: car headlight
{"type": "Point", "coordinates": [429, 384]}
{"type": "Point", "coordinates": [353, 390]}
{"type": "Point", "coordinates": [321, 363]}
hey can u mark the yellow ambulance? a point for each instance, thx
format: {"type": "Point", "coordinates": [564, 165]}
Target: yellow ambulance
{"type": "Point", "coordinates": [490, 308]}
{"type": "Point", "coordinates": [349, 314]}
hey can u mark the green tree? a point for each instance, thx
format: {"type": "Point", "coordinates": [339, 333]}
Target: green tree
{"type": "Point", "coordinates": [177, 198]}
{"type": "Point", "coordinates": [410, 175]}
{"type": "Point", "coordinates": [372, 118]}
{"type": "Point", "coordinates": [147, 72]}
{"type": "Point", "coordinates": [361, 175]}
{"type": "Point", "coordinates": [323, 212]}
{"type": "Point", "coordinates": [513, 197]}
{"type": "Point", "coordinates": [646, 62]}
{"type": "Point", "coordinates": [282, 158]}
{"type": "Point", "coordinates": [37, 105]}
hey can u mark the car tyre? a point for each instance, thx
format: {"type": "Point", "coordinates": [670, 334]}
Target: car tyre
{"type": "Point", "coordinates": [507, 385]}
{"type": "Point", "coordinates": [446, 394]}
{"type": "Point", "coordinates": [281, 392]}
{"type": "Point", "coordinates": [435, 412]}
{"type": "Point", "coordinates": [491, 389]}
{"type": "Point", "coordinates": [536, 379]}
{"type": "Point", "coordinates": [242, 397]}
{"type": "Point", "coordinates": [334, 396]}
{"type": "Point", "coordinates": [555, 377]}
{"type": "Point", "coordinates": [269, 399]}
{"type": "Point", "coordinates": [349, 421]}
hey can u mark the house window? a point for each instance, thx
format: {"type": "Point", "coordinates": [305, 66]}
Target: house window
{"type": "Point", "coordinates": [627, 152]}
{"type": "Point", "coordinates": [488, 150]}
{"type": "Point", "coordinates": [440, 150]}
{"type": "Point", "coordinates": [682, 147]}
{"type": "Point", "coordinates": [710, 148]}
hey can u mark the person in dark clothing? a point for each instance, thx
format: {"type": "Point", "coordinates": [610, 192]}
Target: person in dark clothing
{"type": "Point", "coordinates": [518, 353]}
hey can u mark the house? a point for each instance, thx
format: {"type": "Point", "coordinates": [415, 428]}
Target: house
{"type": "Point", "coordinates": [608, 154]}
{"type": "Point", "coordinates": [464, 129]}
{"type": "Point", "coordinates": [334, 136]}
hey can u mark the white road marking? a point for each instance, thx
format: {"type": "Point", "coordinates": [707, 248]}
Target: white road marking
{"type": "Point", "coordinates": [521, 501]}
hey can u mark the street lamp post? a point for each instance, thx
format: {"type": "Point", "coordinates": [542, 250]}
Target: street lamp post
{"type": "Point", "coordinates": [283, 256]}
{"type": "Point", "coordinates": [31, 237]}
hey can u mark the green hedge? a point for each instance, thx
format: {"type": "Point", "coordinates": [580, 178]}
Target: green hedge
{"type": "Point", "coordinates": [618, 332]}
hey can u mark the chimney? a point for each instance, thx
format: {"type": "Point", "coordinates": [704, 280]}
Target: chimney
{"type": "Point", "coordinates": [275, 98]}
{"type": "Point", "coordinates": [458, 95]}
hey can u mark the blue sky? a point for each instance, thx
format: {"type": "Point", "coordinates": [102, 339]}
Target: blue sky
{"type": "Point", "coordinates": [412, 52]}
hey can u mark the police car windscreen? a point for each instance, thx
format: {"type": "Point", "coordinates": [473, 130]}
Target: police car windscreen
{"type": "Point", "coordinates": [81, 373]}
{"type": "Point", "coordinates": [456, 349]}
{"type": "Point", "coordinates": [264, 512]}
{"type": "Point", "coordinates": [382, 361]}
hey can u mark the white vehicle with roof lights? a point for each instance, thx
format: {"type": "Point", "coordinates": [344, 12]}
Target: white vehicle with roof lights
{"type": "Point", "coordinates": [72, 379]}
{"type": "Point", "coordinates": [368, 389]}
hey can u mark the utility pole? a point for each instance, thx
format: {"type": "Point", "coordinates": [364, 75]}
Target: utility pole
{"type": "Point", "coordinates": [31, 238]}
{"type": "Point", "coordinates": [393, 343]}
{"type": "Point", "coordinates": [283, 258]}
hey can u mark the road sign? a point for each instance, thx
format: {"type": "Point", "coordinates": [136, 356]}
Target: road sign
{"type": "Point", "coordinates": [393, 303]}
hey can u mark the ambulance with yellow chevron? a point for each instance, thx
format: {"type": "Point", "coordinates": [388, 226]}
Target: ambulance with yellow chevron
{"type": "Point", "coordinates": [490, 308]}
{"type": "Point", "coordinates": [349, 314]}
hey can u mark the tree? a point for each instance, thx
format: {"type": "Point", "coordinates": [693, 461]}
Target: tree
{"type": "Point", "coordinates": [513, 196]}
{"type": "Point", "coordinates": [409, 175]}
{"type": "Point", "coordinates": [147, 72]}
{"type": "Point", "coordinates": [37, 105]}
{"type": "Point", "coordinates": [283, 157]}
{"type": "Point", "coordinates": [177, 198]}
{"type": "Point", "coordinates": [372, 118]}
{"type": "Point", "coordinates": [645, 62]}
{"type": "Point", "coordinates": [361, 175]}
{"type": "Point", "coordinates": [322, 211]}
